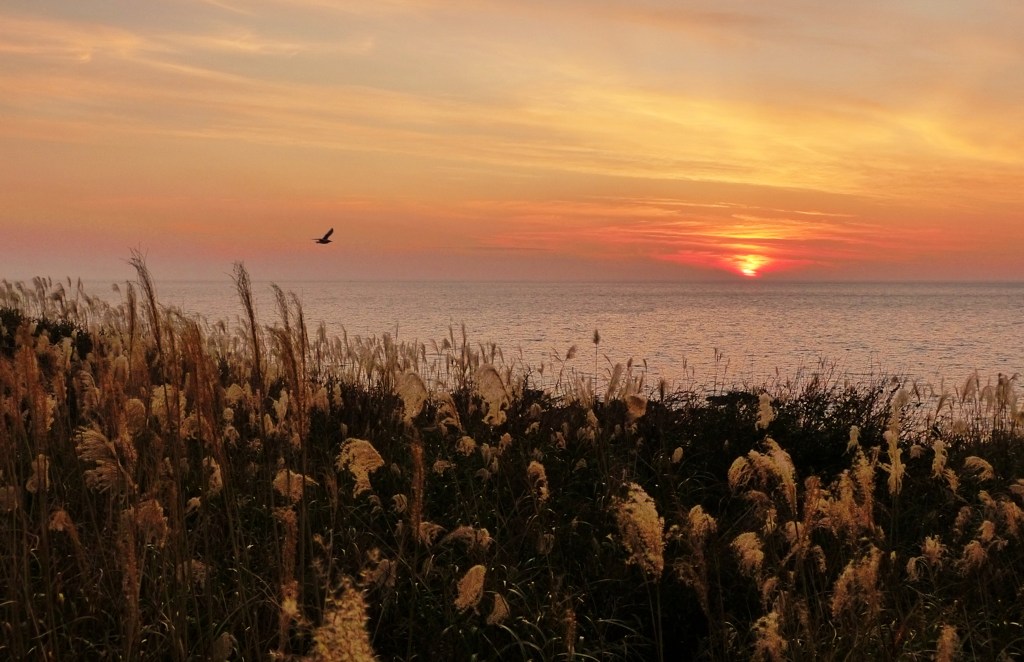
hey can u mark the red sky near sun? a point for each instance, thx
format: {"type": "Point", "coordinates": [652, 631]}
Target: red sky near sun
{"type": "Point", "coordinates": [578, 140]}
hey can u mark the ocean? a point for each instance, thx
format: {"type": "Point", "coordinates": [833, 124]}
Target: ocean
{"type": "Point", "coordinates": [689, 334]}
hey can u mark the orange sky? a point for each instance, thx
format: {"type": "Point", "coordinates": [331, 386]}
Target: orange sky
{"type": "Point", "coordinates": [473, 139]}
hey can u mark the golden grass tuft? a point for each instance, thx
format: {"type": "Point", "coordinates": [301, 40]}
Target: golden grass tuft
{"type": "Point", "coordinates": [343, 634]}
{"type": "Point", "coordinates": [499, 611]}
{"type": "Point", "coordinates": [465, 446]}
{"type": "Point", "coordinates": [538, 478]}
{"type": "Point", "coordinates": [769, 644]}
{"type": "Point", "coordinates": [360, 459]}
{"type": "Point", "coordinates": [701, 524]}
{"type": "Point", "coordinates": [765, 411]}
{"type": "Point", "coordinates": [856, 590]}
{"type": "Point", "coordinates": [470, 588]}
{"type": "Point", "coordinates": [150, 522]}
{"type": "Point", "coordinates": [291, 485]}
{"type": "Point", "coordinates": [641, 530]}
{"type": "Point", "coordinates": [979, 467]}
{"type": "Point", "coordinates": [413, 392]}
{"type": "Point", "coordinates": [749, 552]}
{"type": "Point", "coordinates": [636, 407]}
{"type": "Point", "coordinates": [429, 532]}
{"type": "Point", "coordinates": [135, 416]}
{"type": "Point", "coordinates": [108, 474]}
{"type": "Point", "coordinates": [948, 645]}
{"type": "Point", "coordinates": [491, 389]}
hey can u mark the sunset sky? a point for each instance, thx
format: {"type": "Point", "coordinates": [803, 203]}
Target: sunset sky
{"type": "Point", "coordinates": [527, 139]}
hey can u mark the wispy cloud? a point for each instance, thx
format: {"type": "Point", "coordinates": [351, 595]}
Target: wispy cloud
{"type": "Point", "coordinates": [810, 134]}
{"type": "Point", "coordinates": [712, 236]}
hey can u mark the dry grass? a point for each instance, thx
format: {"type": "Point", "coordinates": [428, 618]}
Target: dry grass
{"type": "Point", "coordinates": [172, 489]}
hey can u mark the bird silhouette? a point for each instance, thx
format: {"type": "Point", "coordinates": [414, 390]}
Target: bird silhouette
{"type": "Point", "coordinates": [326, 239]}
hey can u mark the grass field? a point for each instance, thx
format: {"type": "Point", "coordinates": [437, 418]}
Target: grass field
{"type": "Point", "coordinates": [173, 489]}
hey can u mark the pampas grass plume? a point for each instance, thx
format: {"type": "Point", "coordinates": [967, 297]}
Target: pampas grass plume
{"type": "Point", "coordinates": [290, 484]}
{"type": "Point", "coordinates": [360, 459]}
{"type": "Point", "coordinates": [471, 588]}
{"type": "Point", "coordinates": [499, 612]}
{"type": "Point", "coordinates": [765, 412]}
{"type": "Point", "coordinates": [538, 480]}
{"type": "Point", "coordinates": [981, 468]}
{"type": "Point", "coordinates": [343, 635]}
{"type": "Point", "coordinates": [747, 547]}
{"type": "Point", "coordinates": [413, 393]}
{"type": "Point", "coordinates": [641, 530]}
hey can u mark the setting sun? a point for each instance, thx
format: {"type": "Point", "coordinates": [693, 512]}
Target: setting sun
{"type": "Point", "coordinates": [749, 265]}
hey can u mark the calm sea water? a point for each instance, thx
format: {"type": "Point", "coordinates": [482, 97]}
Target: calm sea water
{"type": "Point", "coordinates": [744, 332]}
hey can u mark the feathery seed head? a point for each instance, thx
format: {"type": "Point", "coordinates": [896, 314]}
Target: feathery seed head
{"type": "Point", "coordinates": [982, 469]}
{"type": "Point", "coordinates": [854, 442]}
{"type": "Point", "coordinates": [151, 522]}
{"type": "Point", "coordinates": [939, 461]}
{"type": "Point", "coordinates": [360, 458]}
{"type": "Point", "coordinates": [291, 484]}
{"type": "Point", "coordinates": [747, 547]}
{"type": "Point", "coordinates": [135, 416]}
{"type": "Point", "coordinates": [168, 405]}
{"type": "Point", "coordinates": [765, 412]}
{"type": "Point", "coordinates": [504, 443]}
{"type": "Point", "coordinates": [499, 612]}
{"type": "Point", "coordinates": [91, 445]}
{"type": "Point", "coordinates": [429, 532]}
{"type": "Point", "coordinates": [933, 550]}
{"type": "Point", "coordinates": [60, 521]}
{"type": "Point", "coordinates": [215, 482]}
{"type": "Point", "coordinates": [343, 634]}
{"type": "Point", "coordinates": [491, 388]}
{"type": "Point", "coordinates": [948, 644]}
{"type": "Point", "coordinates": [471, 588]}
{"type": "Point", "coordinates": [538, 478]}
{"type": "Point", "coordinates": [636, 407]}
{"type": "Point", "coordinates": [641, 530]}
{"type": "Point", "coordinates": [234, 395]}
{"type": "Point", "coordinates": [973, 557]}
{"type": "Point", "coordinates": [784, 469]}
{"type": "Point", "coordinates": [769, 643]}
{"type": "Point", "coordinates": [466, 446]}
{"type": "Point", "coordinates": [413, 392]}
{"type": "Point", "coordinates": [739, 473]}
{"type": "Point", "coordinates": [857, 585]}
{"type": "Point", "coordinates": [1013, 516]}
{"type": "Point", "coordinates": [701, 524]}
{"type": "Point", "coordinates": [895, 466]}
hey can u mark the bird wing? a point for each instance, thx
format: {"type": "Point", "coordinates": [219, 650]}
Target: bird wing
{"type": "Point", "coordinates": [329, 233]}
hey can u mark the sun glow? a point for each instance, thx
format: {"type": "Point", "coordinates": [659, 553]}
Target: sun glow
{"type": "Point", "coordinates": [749, 266]}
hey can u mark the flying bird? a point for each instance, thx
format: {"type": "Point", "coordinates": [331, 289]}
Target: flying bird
{"type": "Point", "coordinates": [326, 239]}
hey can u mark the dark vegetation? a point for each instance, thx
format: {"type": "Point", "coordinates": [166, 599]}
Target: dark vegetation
{"type": "Point", "coordinates": [171, 490]}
